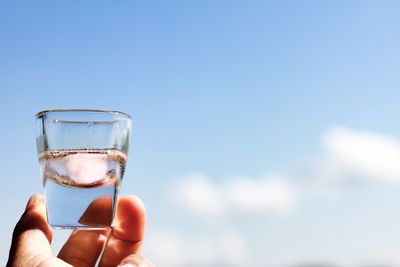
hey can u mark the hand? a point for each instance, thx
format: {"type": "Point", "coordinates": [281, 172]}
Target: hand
{"type": "Point", "coordinates": [32, 236]}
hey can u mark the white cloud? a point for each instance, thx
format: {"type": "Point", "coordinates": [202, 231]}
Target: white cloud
{"type": "Point", "coordinates": [388, 256]}
{"type": "Point", "coordinates": [270, 194]}
{"type": "Point", "coordinates": [233, 249]}
{"type": "Point", "coordinates": [347, 154]}
{"type": "Point", "coordinates": [165, 248]}
{"type": "Point", "coordinates": [173, 249]}
{"type": "Point", "coordinates": [362, 153]}
{"type": "Point", "coordinates": [201, 196]}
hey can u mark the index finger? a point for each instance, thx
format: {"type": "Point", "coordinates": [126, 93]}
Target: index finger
{"type": "Point", "coordinates": [127, 236]}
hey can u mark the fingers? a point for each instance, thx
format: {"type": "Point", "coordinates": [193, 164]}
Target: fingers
{"type": "Point", "coordinates": [127, 236]}
{"type": "Point", "coordinates": [99, 212]}
{"type": "Point", "coordinates": [131, 220]}
{"type": "Point", "coordinates": [136, 261]}
{"type": "Point", "coordinates": [83, 247]}
{"type": "Point", "coordinates": [32, 235]}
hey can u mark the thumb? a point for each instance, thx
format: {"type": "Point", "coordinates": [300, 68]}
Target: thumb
{"type": "Point", "coordinates": [32, 236]}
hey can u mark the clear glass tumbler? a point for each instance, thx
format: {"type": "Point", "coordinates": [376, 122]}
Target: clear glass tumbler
{"type": "Point", "coordinates": [82, 155]}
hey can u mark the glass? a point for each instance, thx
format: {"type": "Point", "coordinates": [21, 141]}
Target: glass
{"type": "Point", "coordinates": [82, 155]}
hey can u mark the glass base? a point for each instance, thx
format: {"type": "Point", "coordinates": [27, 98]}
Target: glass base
{"type": "Point", "coordinates": [80, 208]}
{"type": "Point", "coordinates": [91, 228]}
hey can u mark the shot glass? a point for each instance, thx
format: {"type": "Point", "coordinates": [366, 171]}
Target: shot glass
{"type": "Point", "coordinates": [82, 155]}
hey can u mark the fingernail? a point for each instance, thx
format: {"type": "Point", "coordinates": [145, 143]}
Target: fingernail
{"type": "Point", "coordinates": [127, 265]}
{"type": "Point", "coordinates": [33, 201]}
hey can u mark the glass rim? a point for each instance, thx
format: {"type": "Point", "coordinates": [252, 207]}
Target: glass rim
{"type": "Point", "coordinates": [40, 114]}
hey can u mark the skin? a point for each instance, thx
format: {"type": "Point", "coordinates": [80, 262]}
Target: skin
{"type": "Point", "coordinates": [32, 237]}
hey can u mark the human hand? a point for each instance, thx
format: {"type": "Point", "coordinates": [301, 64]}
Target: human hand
{"type": "Point", "coordinates": [32, 237]}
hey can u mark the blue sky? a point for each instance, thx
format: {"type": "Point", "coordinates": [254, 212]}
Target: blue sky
{"type": "Point", "coordinates": [221, 91]}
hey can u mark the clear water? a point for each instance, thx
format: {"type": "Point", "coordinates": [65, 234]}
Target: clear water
{"type": "Point", "coordinates": [81, 186]}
